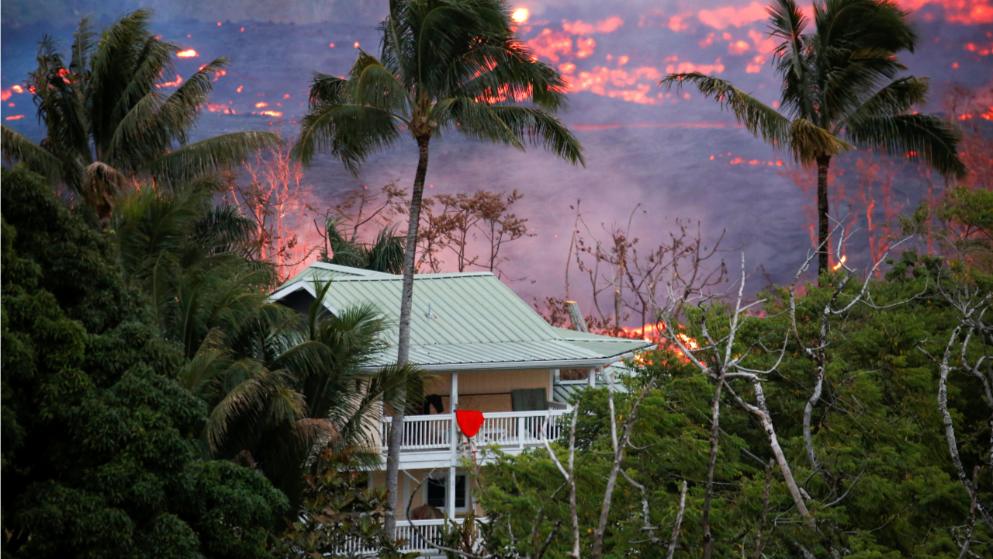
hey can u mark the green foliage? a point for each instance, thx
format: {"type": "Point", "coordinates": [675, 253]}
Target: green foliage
{"type": "Point", "coordinates": [101, 450]}
{"type": "Point", "coordinates": [886, 487]}
{"type": "Point", "coordinates": [338, 512]}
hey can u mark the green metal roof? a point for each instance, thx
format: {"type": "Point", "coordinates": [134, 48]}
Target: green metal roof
{"type": "Point", "coordinates": [462, 320]}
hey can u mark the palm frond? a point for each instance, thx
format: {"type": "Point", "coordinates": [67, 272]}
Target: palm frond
{"type": "Point", "coordinates": [349, 131]}
{"type": "Point", "coordinates": [327, 90]}
{"type": "Point", "coordinates": [375, 86]}
{"type": "Point", "coordinates": [113, 66]}
{"type": "Point", "coordinates": [17, 148]}
{"type": "Point", "coordinates": [210, 156]}
{"type": "Point", "coordinates": [513, 125]}
{"type": "Point", "coordinates": [82, 46]}
{"type": "Point", "coordinates": [809, 141]}
{"type": "Point", "coordinates": [895, 98]}
{"type": "Point", "coordinates": [757, 117]}
{"type": "Point", "coordinates": [386, 253]}
{"type": "Point", "coordinates": [848, 82]}
{"type": "Point", "coordinates": [179, 111]}
{"type": "Point", "coordinates": [930, 138]}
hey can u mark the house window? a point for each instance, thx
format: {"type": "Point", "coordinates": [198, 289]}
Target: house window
{"type": "Point", "coordinates": [438, 489]}
{"type": "Point", "coordinates": [574, 374]}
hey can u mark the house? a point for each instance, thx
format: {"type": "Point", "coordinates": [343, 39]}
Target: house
{"type": "Point", "coordinates": [483, 348]}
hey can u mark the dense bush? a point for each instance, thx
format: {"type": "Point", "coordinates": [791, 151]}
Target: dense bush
{"type": "Point", "coordinates": [102, 455]}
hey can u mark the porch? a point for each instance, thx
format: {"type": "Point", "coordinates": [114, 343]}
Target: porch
{"type": "Point", "coordinates": [416, 535]}
{"type": "Point", "coordinates": [517, 410]}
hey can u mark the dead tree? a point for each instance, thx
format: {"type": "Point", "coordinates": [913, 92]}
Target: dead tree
{"type": "Point", "coordinates": [972, 305]}
{"type": "Point", "coordinates": [718, 357]}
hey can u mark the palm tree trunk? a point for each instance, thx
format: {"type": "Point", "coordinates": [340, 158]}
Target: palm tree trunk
{"type": "Point", "coordinates": [403, 343]}
{"type": "Point", "coordinates": [823, 227]}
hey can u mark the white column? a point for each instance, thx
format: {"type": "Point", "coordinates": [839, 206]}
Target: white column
{"type": "Point", "coordinates": [450, 493]}
{"type": "Point", "coordinates": [592, 377]}
{"type": "Point", "coordinates": [453, 398]}
{"type": "Point", "coordinates": [454, 392]}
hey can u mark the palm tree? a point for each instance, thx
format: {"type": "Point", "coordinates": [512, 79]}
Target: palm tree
{"type": "Point", "coordinates": [840, 91]}
{"type": "Point", "coordinates": [444, 64]}
{"type": "Point", "coordinates": [108, 123]}
{"type": "Point", "coordinates": [385, 254]}
{"type": "Point", "coordinates": [282, 388]}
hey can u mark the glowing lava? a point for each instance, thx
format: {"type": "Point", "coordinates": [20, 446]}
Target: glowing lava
{"type": "Point", "coordinates": [520, 15]}
{"type": "Point", "coordinates": [188, 53]}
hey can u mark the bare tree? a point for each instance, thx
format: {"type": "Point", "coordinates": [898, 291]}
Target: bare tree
{"type": "Point", "coordinates": [720, 360]}
{"type": "Point", "coordinates": [273, 200]}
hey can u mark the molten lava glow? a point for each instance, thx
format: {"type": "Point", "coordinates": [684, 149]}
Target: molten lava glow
{"type": "Point", "coordinates": [13, 117]}
{"type": "Point", "coordinates": [16, 88]}
{"type": "Point", "coordinates": [966, 12]}
{"type": "Point", "coordinates": [520, 15]}
{"type": "Point", "coordinates": [655, 333]}
{"type": "Point", "coordinates": [174, 83]}
{"type": "Point", "coordinates": [273, 114]}
{"type": "Point", "coordinates": [841, 262]}
{"type": "Point", "coordinates": [220, 108]}
{"type": "Point", "coordinates": [356, 45]}
{"type": "Point", "coordinates": [261, 105]}
{"type": "Point", "coordinates": [188, 53]}
{"type": "Point", "coordinates": [739, 47]}
{"type": "Point", "coordinates": [733, 16]}
{"type": "Point", "coordinates": [239, 89]}
{"type": "Point", "coordinates": [677, 24]}
{"type": "Point", "coordinates": [580, 27]}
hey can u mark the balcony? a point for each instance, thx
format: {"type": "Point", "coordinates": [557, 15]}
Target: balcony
{"type": "Point", "coordinates": [416, 535]}
{"type": "Point", "coordinates": [435, 438]}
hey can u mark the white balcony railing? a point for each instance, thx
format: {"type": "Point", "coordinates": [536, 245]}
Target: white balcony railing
{"type": "Point", "coordinates": [416, 535]}
{"type": "Point", "coordinates": [507, 429]}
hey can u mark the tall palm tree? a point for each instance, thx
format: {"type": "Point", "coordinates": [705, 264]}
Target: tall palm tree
{"type": "Point", "coordinates": [839, 92]}
{"type": "Point", "coordinates": [444, 64]}
{"type": "Point", "coordinates": [109, 123]}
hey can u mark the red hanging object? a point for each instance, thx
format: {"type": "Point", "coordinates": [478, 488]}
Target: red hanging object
{"type": "Point", "coordinates": [469, 421]}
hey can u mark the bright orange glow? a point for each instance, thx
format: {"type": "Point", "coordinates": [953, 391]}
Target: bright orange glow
{"type": "Point", "coordinates": [14, 117]}
{"type": "Point", "coordinates": [273, 114]}
{"type": "Point", "coordinates": [261, 105]}
{"type": "Point", "coordinates": [520, 15]}
{"type": "Point", "coordinates": [239, 89]}
{"type": "Point", "coordinates": [677, 24]}
{"type": "Point", "coordinates": [16, 88]}
{"type": "Point", "coordinates": [580, 27]}
{"type": "Point", "coordinates": [732, 16]}
{"type": "Point", "coordinates": [188, 53]}
{"type": "Point", "coordinates": [174, 83]}
{"type": "Point", "coordinates": [220, 108]}
{"type": "Point", "coordinates": [739, 47]}
{"type": "Point", "coordinates": [5, 94]}
{"type": "Point", "coordinates": [841, 262]}
{"type": "Point", "coordinates": [356, 45]}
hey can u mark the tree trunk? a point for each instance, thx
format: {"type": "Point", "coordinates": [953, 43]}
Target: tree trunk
{"type": "Point", "coordinates": [715, 433]}
{"type": "Point", "coordinates": [403, 343]}
{"type": "Point", "coordinates": [823, 225]}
